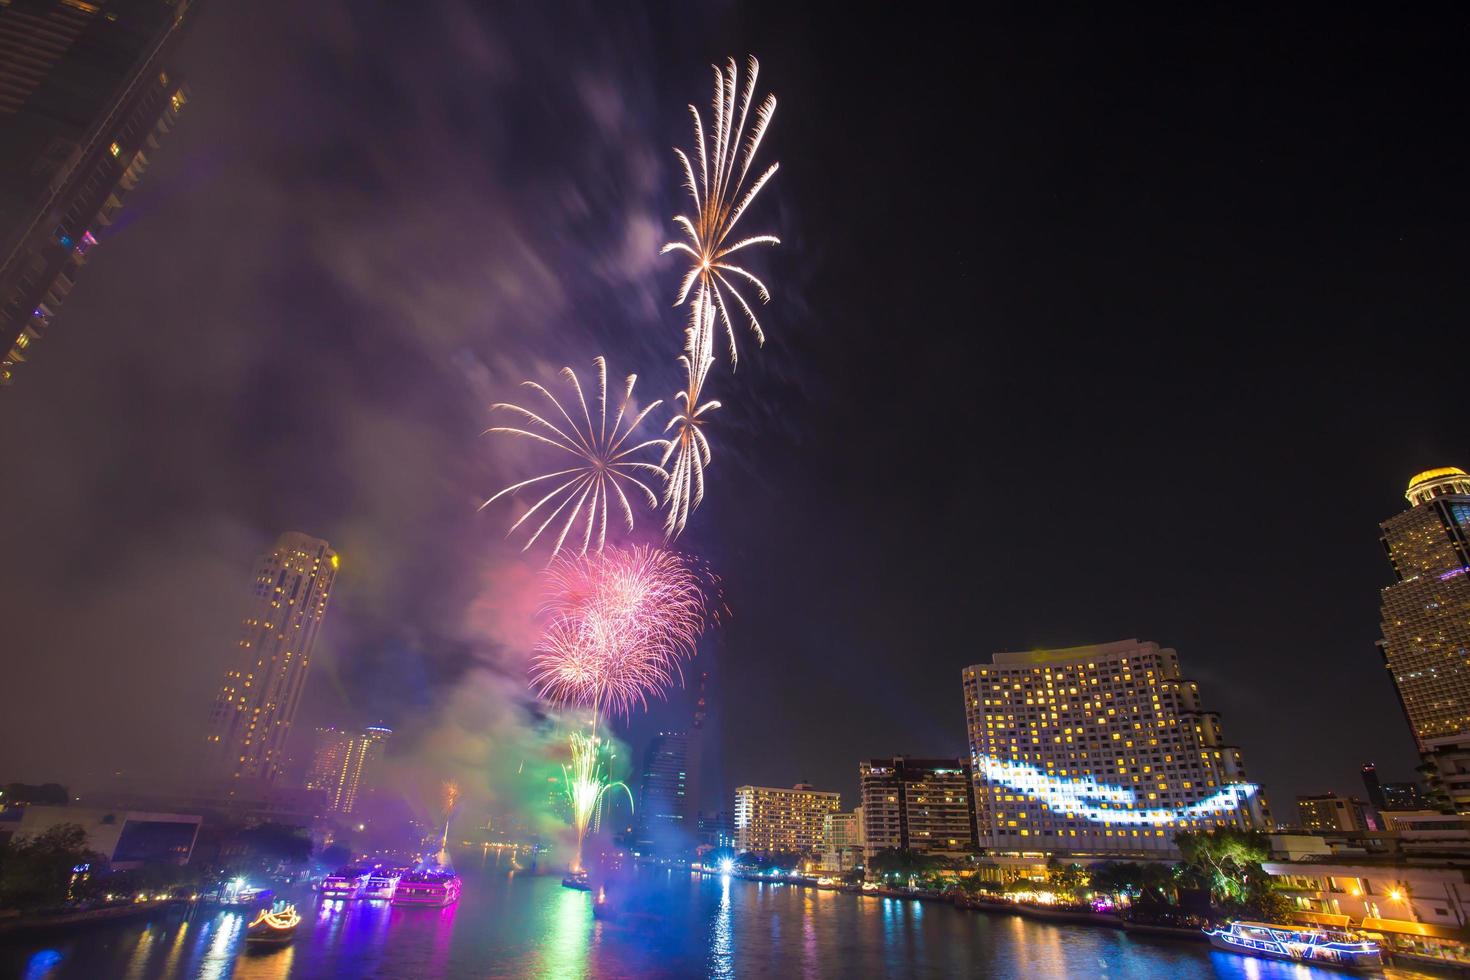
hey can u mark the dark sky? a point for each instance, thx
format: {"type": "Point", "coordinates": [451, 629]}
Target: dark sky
{"type": "Point", "coordinates": [1084, 328]}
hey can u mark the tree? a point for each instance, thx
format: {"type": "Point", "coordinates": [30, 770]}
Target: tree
{"type": "Point", "coordinates": [268, 846]}
{"type": "Point", "coordinates": [37, 871]}
{"type": "Point", "coordinates": [1227, 861]}
{"type": "Point", "coordinates": [1147, 882]}
{"type": "Point", "coordinates": [46, 794]}
{"type": "Point", "coordinates": [1066, 880]}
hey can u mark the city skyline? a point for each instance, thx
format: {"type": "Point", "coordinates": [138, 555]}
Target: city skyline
{"type": "Point", "coordinates": [153, 432]}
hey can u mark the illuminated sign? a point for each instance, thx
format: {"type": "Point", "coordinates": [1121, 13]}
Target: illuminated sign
{"type": "Point", "coordinates": [1112, 805]}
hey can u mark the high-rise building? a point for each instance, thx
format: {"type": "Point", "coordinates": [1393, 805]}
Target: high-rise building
{"type": "Point", "coordinates": [1098, 749]}
{"type": "Point", "coordinates": [664, 808]}
{"type": "Point", "coordinates": [1426, 624]}
{"type": "Point", "coordinates": [257, 701]}
{"type": "Point", "coordinates": [1330, 813]}
{"type": "Point", "coordinates": [87, 91]}
{"type": "Point", "coordinates": [344, 763]}
{"type": "Point", "coordinates": [922, 805]}
{"type": "Point", "coordinates": [717, 829]}
{"type": "Point", "coordinates": [769, 820]}
{"type": "Point", "coordinates": [842, 840]}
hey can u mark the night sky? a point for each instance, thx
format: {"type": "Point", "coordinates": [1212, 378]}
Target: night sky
{"type": "Point", "coordinates": [1083, 328]}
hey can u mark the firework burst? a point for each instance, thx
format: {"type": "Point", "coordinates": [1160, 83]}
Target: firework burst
{"type": "Point", "coordinates": [621, 623]}
{"type": "Point", "coordinates": [604, 461]}
{"type": "Point", "coordinates": [720, 197]}
{"type": "Point", "coordinates": [687, 452]}
{"type": "Point", "coordinates": [587, 780]}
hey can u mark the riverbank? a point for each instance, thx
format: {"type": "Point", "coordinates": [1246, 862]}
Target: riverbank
{"type": "Point", "coordinates": [45, 921]}
{"type": "Point", "coordinates": [994, 905]}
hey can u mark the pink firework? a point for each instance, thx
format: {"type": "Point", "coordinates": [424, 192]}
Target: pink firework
{"type": "Point", "coordinates": [621, 623]}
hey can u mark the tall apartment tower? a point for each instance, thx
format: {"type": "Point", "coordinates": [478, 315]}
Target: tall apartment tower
{"type": "Point", "coordinates": [87, 91]}
{"type": "Point", "coordinates": [1426, 624]}
{"type": "Point", "coordinates": [257, 701]}
{"type": "Point", "coordinates": [922, 805]}
{"type": "Point", "coordinates": [343, 764]}
{"type": "Point", "coordinates": [1099, 750]}
{"type": "Point", "coordinates": [665, 810]}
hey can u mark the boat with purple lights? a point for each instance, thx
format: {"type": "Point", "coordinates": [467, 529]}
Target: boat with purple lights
{"type": "Point", "coordinates": [435, 888]}
{"type": "Point", "coordinates": [1301, 944]}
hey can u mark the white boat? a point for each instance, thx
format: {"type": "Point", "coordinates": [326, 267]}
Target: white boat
{"type": "Point", "coordinates": [436, 888]}
{"type": "Point", "coordinates": [1301, 944]}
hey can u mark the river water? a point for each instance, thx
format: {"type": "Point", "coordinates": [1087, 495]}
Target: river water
{"type": "Point", "coordinates": [666, 924]}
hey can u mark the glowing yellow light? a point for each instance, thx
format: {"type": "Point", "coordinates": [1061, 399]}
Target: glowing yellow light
{"type": "Point", "coordinates": [1395, 895]}
{"type": "Point", "coordinates": [336, 562]}
{"type": "Point", "coordinates": [1435, 474]}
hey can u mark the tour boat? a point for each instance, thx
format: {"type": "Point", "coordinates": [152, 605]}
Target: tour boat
{"type": "Point", "coordinates": [273, 927]}
{"type": "Point", "coordinates": [436, 888]}
{"type": "Point", "coordinates": [577, 880]}
{"type": "Point", "coordinates": [381, 884]}
{"type": "Point", "coordinates": [1302, 944]}
{"type": "Point", "coordinates": [346, 883]}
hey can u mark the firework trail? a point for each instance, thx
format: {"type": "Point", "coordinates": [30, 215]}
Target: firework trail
{"type": "Point", "coordinates": [604, 460]}
{"type": "Point", "coordinates": [687, 452]}
{"type": "Point", "coordinates": [621, 622]}
{"type": "Point", "coordinates": [720, 198]}
{"type": "Point", "coordinates": [587, 781]}
{"type": "Point", "coordinates": [451, 799]}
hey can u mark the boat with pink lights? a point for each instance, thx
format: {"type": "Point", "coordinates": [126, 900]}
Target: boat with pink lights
{"type": "Point", "coordinates": [435, 889]}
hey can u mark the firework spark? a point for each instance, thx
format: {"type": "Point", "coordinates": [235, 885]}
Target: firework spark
{"type": "Point", "coordinates": [720, 197]}
{"type": "Point", "coordinates": [604, 459]}
{"type": "Point", "coordinates": [687, 452]}
{"type": "Point", "coordinates": [621, 623]}
{"type": "Point", "coordinates": [451, 798]}
{"type": "Point", "coordinates": [587, 781]}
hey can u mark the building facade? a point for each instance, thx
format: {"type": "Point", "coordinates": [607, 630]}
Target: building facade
{"type": "Point", "coordinates": [264, 676]}
{"type": "Point", "coordinates": [922, 805]}
{"type": "Point", "coordinates": [769, 820]}
{"type": "Point", "coordinates": [1328, 813]}
{"type": "Point", "coordinates": [87, 92]}
{"type": "Point", "coordinates": [344, 764]}
{"type": "Point", "coordinates": [842, 841]}
{"type": "Point", "coordinates": [1100, 749]}
{"type": "Point", "coordinates": [664, 816]}
{"type": "Point", "coordinates": [127, 839]}
{"type": "Point", "coordinates": [1426, 624]}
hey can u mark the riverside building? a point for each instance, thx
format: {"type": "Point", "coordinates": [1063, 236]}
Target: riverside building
{"type": "Point", "coordinates": [87, 92]}
{"type": "Point", "coordinates": [256, 703]}
{"type": "Point", "coordinates": [1426, 624]}
{"type": "Point", "coordinates": [1101, 749]}
{"type": "Point", "coordinates": [922, 805]}
{"type": "Point", "coordinates": [344, 762]}
{"type": "Point", "coordinates": [769, 820]}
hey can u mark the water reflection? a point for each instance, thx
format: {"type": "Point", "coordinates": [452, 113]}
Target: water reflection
{"type": "Point", "coordinates": [665, 926]}
{"type": "Point", "coordinates": [721, 938]}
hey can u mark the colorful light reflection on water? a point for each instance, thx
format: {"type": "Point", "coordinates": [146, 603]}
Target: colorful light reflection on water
{"type": "Point", "coordinates": [664, 923]}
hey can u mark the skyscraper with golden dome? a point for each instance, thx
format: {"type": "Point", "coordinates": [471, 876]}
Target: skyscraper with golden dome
{"type": "Point", "coordinates": [1426, 623]}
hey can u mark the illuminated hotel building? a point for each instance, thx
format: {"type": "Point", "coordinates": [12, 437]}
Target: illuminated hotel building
{"type": "Point", "coordinates": [922, 805]}
{"type": "Point", "coordinates": [781, 821]}
{"type": "Point", "coordinates": [1426, 623]}
{"type": "Point", "coordinates": [1098, 749]}
{"type": "Point", "coordinates": [87, 91]}
{"type": "Point", "coordinates": [343, 763]}
{"type": "Point", "coordinates": [257, 702]}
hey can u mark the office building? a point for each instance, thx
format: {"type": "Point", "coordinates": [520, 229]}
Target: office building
{"type": "Point", "coordinates": [717, 829]}
{"type": "Point", "coordinates": [87, 92]}
{"type": "Point", "coordinates": [266, 672]}
{"type": "Point", "coordinates": [126, 839]}
{"type": "Point", "coordinates": [922, 805]}
{"type": "Point", "coordinates": [664, 808]}
{"type": "Point", "coordinates": [345, 763]}
{"type": "Point", "coordinates": [1101, 749]}
{"type": "Point", "coordinates": [1392, 796]}
{"type": "Point", "coordinates": [1426, 625]}
{"type": "Point", "coordinates": [1328, 813]}
{"type": "Point", "coordinates": [842, 841]}
{"type": "Point", "coordinates": [769, 820]}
